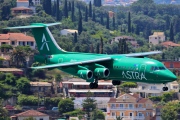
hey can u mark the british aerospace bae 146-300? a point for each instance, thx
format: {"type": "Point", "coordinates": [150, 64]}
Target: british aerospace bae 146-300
{"type": "Point", "coordinates": [93, 67]}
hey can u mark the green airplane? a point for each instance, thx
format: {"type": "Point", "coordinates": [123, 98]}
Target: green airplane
{"type": "Point", "coordinates": [93, 67]}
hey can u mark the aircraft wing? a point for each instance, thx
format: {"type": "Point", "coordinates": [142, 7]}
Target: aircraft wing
{"type": "Point", "coordinates": [142, 54]}
{"type": "Point", "coordinates": [79, 62]}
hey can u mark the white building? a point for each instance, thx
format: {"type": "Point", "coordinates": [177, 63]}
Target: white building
{"type": "Point", "coordinates": [156, 38]}
{"type": "Point", "coordinates": [30, 113]}
{"type": "Point", "coordinates": [146, 89]}
{"type": "Point", "coordinates": [24, 3]}
{"type": "Point", "coordinates": [68, 32]}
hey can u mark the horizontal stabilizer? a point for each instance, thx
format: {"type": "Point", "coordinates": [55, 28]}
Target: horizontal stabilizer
{"type": "Point", "coordinates": [143, 54]}
{"type": "Point", "coordinates": [34, 25]}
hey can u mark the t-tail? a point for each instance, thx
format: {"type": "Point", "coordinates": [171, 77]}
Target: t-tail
{"type": "Point", "coordinates": [45, 41]}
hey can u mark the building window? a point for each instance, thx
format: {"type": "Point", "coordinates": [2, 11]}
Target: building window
{"type": "Point", "coordinates": [171, 65]}
{"type": "Point", "coordinates": [140, 105]}
{"type": "Point", "coordinates": [40, 118]}
{"type": "Point", "coordinates": [122, 114]}
{"type": "Point", "coordinates": [112, 105]}
{"type": "Point", "coordinates": [175, 87]}
{"type": "Point", "coordinates": [121, 105]}
{"type": "Point", "coordinates": [155, 37]}
{"type": "Point", "coordinates": [113, 114]}
{"type": "Point", "coordinates": [130, 105]}
{"type": "Point", "coordinates": [12, 43]}
{"type": "Point", "coordinates": [140, 114]}
{"type": "Point", "coordinates": [32, 43]}
{"type": "Point", "coordinates": [153, 87]}
{"type": "Point", "coordinates": [130, 114]}
{"type": "Point", "coordinates": [147, 114]}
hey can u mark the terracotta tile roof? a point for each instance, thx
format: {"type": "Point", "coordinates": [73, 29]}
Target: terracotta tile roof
{"type": "Point", "coordinates": [32, 113]}
{"type": "Point", "coordinates": [40, 84]}
{"type": "Point", "coordinates": [139, 100]}
{"type": "Point", "coordinates": [21, 8]}
{"type": "Point", "coordinates": [169, 43]}
{"type": "Point", "coordinates": [158, 33]}
{"type": "Point", "coordinates": [22, 1]}
{"type": "Point", "coordinates": [15, 36]}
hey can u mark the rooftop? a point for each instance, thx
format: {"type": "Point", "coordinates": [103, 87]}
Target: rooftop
{"type": "Point", "coordinates": [10, 70]}
{"type": "Point", "coordinates": [32, 113]}
{"type": "Point", "coordinates": [21, 8]}
{"type": "Point", "coordinates": [89, 90]}
{"type": "Point", "coordinates": [16, 36]}
{"type": "Point", "coordinates": [40, 84]}
{"type": "Point", "coordinates": [170, 43]}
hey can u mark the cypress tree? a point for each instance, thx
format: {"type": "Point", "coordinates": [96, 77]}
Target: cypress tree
{"type": "Point", "coordinates": [80, 23]}
{"type": "Point", "coordinates": [107, 22]}
{"type": "Point", "coordinates": [90, 9]}
{"type": "Point", "coordinates": [72, 12]}
{"type": "Point", "coordinates": [102, 19]}
{"type": "Point", "coordinates": [30, 2]}
{"type": "Point", "coordinates": [54, 9]}
{"type": "Point", "coordinates": [75, 38]}
{"type": "Point", "coordinates": [97, 48]}
{"type": "Point", "coordinates": [92, 49]}
{"type": "Point", "coordinates": [101, 46]}
{"type": "Point", "coordinates": [69, 7]}
{"type": "Point", "coordinates": [65, 9]}
{"type": "Point", "coordinates": [114, 26]}
{"type": "Point", "coordinates": [94, 16]}
{"type": "Point", "coordinates": [129, 22]}
{"type": "Point", "coordinates": [86, 15]}
{"type": "Point", "coordinates": [171, 33]}
{"type": "Point", "coordinates": [57, 11]}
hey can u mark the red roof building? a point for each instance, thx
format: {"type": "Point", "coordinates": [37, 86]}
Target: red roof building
{"type": "Point", "coordinates": [31, 113]}
{"type": "Point", "coordinates": [170, 44]}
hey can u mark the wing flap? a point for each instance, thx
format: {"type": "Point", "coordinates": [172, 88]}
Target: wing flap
{"type": "Point", "coordinates": [73, 63]}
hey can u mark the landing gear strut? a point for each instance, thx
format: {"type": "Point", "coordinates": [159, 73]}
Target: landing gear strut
{"type": "Point", "coordinates": [94, 84]}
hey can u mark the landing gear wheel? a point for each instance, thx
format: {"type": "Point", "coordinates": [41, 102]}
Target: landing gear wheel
{"type": "Point", "coordinates": [93, 85]}
{"type": "Point", "coordinates": [165, 88]}
{"type": "Point", "coordinates": [115, 82]}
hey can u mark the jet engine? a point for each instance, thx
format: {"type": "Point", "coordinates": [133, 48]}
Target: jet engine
{"type": "Point", "coordinates": [85, 74]}
{"type": "Point", "coordinates": [102, 72]}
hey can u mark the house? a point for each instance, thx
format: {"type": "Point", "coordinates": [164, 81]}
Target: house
{"type": "Point", "coordinates": [156, 38]}
{"type": "Point", "coordinates": [128, 39]}
{"type": "Point", "coordinates": [22, 11]}
{"type": "Point", "coordinates": [43, 88]}
{"type": "Point", "coordinates": [79, 88]}
{"type": "Point", "coordinates": [168, 44]}
{"type": "Point", "coordinates": [130, 107]}
{"type": "Point", "coordinates": [16, 39]}
{"type": "Point", "coordinates": [24, 3]}
{"type": "Point", "coordinates": [30, 113]}
{"type": "Point", "coordinates": [146, 89]}
{"type": "Point", "coordinates": [68, 32]}
{"type": "Point", "coordinates": [15, 71]}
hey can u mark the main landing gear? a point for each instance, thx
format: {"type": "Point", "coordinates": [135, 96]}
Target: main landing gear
{"type": "Point", "coordinates": [116, 82]}
{"type": "Point", "coordinates": [94, 84]}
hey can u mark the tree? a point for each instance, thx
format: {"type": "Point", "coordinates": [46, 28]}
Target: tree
{"type": "Point", "coordinates": [23, 84]}
{"type": "Point", "coordinates": [58, 78]}
{"type": "Point", "coordinates": [170, 110]}
{"type": "Point", "coordinates": [171, 33]}
{"type": "Point", "coordinates": [90, 9]}
{"type": "Point", "coordinates": [129, 22]}
{"type": "Point", "coordinates": [75, 38]}
{"type": "Point", "coordinates": [89, 104]}
{"type": "Point", "coordinates": [10, 79]}
{"type": "Point", "coordinates": [57, 11]}
{"type": "Point", "coordinates": [94, 16]}
{"type": "Point", "coordinates": [86, 15]}
{"type": "Point", "coordinates": [98, 115]}
{"type": "Point", "coordinates": [114, 26]}
{"type": "Point", "coordinates": [30, 118]}
{"type": "Point", "coordinates": [72, 12]}
{"type": "Point", "coordinates": [66, 105]}
{"type": "Point", "coordinates": [102, 19]}
{"type": "Point", "coordinates": [97, 48]}
{"type": "Point", "coordinates": [3, 112]}
{"type": "Point", "coordinates": [65, 9]}
{"type": "Point", "coordinates": [107, 21]}
{"type": "Point", "coordinates": [80, 23]}
{"type": "Point", "coordinates": [101, 46]}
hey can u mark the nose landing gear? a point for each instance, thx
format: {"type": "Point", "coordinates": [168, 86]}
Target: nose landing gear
{"type": "Point", "coordinates": [165, 88]}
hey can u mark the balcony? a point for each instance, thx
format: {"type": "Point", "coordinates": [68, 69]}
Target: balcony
{"type": "Point", "coordinates": [126, 108]}
{"type": "Point", "coordinates": [146, 90]}
{"type": "Point", "coordinates": [126, 117]}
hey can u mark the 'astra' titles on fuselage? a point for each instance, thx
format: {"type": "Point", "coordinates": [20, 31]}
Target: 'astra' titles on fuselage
{"type": "Point", "coordinates": [133, 75]}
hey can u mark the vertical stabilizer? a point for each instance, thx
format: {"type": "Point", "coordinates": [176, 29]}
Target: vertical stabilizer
{"type": "Point", "coordinates": [45, 41]}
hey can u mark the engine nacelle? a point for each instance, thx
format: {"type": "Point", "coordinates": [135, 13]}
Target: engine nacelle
{"type": "Point", "coordinates": [85, 74]}
{"type": "Point", "coordinates": [102, 72]}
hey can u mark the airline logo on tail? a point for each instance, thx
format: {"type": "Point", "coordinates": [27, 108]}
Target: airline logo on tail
{"type": "Point", "coordinates": [44, 43]}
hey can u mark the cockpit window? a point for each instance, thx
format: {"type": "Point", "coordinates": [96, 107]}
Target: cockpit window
{"type": "Point", "coordinates": [162, 68]}
{"type": "Point", "coordinates": [154, 68]}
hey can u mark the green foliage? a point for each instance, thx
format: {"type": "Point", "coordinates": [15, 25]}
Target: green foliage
{"type": "Point", "coordinates": [89, 103]}
{"type": "Point", "coordinates": [3, 112]}
{"type": "Point", "coordinates": [30, 118]}
{"type": "Point", "coordinates": [66, 105]}
{"type": "Point", "coordinates": [75, 113]}
{"type": "Point", "coordinates": [98, 114]}
{"type": "Point", "coordinates": [170, 111]}
{"type": "Point", "coordinates": [27, 100]}
{"type": "Point", "coordinates": [155, 98]}
{"type": "Point", "coordinates": [129, 84]}
{"type": "Point", "coordinates": [40, 73]}
{"type": "Point", "coordinates": [23, 84]}
{"type": "Point", "coordinates": [10, 79]}
{"type": "Point", "coordinates": [52, 101]}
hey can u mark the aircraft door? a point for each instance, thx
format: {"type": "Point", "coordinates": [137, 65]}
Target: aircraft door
{"type": "Point", "coordinates": [142, 68]}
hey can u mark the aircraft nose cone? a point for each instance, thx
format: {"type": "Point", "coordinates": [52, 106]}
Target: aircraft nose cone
{"type": "Point", "coordinates": [172, 77]}
{"type": "Point", "coordinates": [168, 75]}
